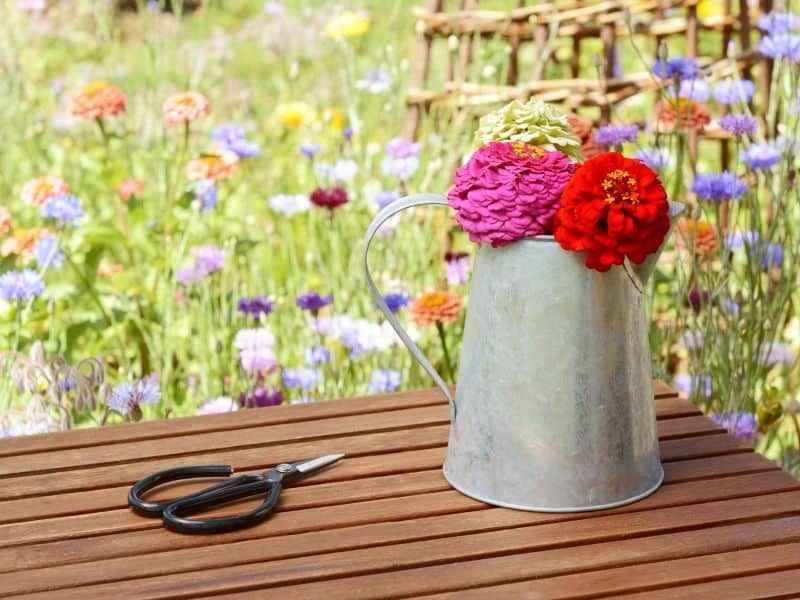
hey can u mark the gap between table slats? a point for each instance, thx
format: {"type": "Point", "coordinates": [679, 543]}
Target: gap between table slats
{"type": "Point", "coordinates": [543, 549]}
{"type": "Point", "coordinates": [227, 422]}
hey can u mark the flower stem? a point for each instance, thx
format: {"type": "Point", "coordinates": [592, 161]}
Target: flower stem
{"type": "Point", "coordinates": [448, 363]}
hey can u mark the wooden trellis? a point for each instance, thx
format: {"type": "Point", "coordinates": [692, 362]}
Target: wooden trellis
{"type": "Point", "coordinates": [545, 25]}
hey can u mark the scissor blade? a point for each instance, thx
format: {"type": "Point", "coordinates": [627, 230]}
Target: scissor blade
{"type": "Point", "coordinates": [314, 464]}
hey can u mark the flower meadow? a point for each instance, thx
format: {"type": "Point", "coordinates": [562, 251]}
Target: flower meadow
{"type": "Point", "coordinates": [184, 198]}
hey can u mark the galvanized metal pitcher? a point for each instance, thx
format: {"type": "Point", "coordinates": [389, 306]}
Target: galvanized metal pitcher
{"type": "Point", "coordinates": [554, 405]}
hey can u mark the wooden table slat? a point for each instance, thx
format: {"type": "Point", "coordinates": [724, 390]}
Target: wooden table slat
{"type": "Point", "coordinates": [384, 522]}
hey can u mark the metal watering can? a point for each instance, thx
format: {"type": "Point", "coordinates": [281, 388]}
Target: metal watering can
{"type": "Point", "coordinates": [554, 407]}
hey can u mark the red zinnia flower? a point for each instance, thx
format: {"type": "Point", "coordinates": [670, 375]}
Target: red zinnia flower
{"type": "Point", "coordinates": [613, 207]}
{"type": "Point", "coordinates": [330, 199]}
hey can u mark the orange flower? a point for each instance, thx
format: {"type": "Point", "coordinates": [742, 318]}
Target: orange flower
{"type": "Point", "coordinates": [213, 166]}
{"type": "Point", "coordinates": [185, 107]}
{"type": "Point", "coordinates": [128, 188]}
{"type": "Point", "coordinates": [38, 191]}
{"type": "Point", "coordinates": [681, 113]}
{"type": "Point", "coordinates": [583, 128]}
{"type": "Point", "coordinates": [20, 243]}
{"type": "Point", "coordinates": [701, 235]}
{"type": "Point", "coordinates": [433, 307]}
{"type": "Point", "coordinates": [107, 270]}
{"type": "Point", "coordinates": [5, 220]}
{"type": "Point", "coordinates": [97, 101]}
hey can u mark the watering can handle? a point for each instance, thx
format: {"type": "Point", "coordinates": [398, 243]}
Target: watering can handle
{"type": "Point", "coordinates": [385, 214]}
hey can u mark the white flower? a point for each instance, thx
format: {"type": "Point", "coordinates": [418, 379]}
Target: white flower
{"type": "Point", "coordinates": [254, 339]}
{"type": "Point", "coordinates": [289, 204]}
{"type": "Point", "coordinates": [215, 406]}
{"type": "Point", "coordinates": [376, 81]}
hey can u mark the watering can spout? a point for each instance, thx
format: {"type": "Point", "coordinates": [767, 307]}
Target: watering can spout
{"type": "Point", "coordinates": [643, 271]}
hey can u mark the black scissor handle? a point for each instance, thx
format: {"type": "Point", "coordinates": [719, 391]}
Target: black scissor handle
{"type": "Point", "coordinates": [174, 512]}
{"type": "Point", "coordinates": [155, 509]}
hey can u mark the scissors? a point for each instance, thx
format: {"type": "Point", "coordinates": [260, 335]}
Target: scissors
{"type": "Point", "coordinates": [174, 512]}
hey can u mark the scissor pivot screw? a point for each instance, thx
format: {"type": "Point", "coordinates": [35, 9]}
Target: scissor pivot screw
{"type": "Point", "coordinates": [284, 468]}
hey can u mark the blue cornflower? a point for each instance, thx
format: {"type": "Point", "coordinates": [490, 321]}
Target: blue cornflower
{"type": "Point", "coordinates": [731, 91]}
{"type": "Point", "coordinates": [396, 301]}
{"type": "Point", "coordinates": [231, 136]}
{"type": "Point", "coordinates": [613, 135]}
{"type": "Point", "coordinates": [761, 156]}
{"type": "Point", "coordinates": [384, 380]}
{"type": "Point", "coordinates": [384, 199]}
{"type": "Point", "coordinates": [778, 21]}
{"type": "Point", "coordinates": [313, 302]}
{"type": "Point", "coordinates": [731, 306]}
{"type": "Point", "coordinates": [205, 191]}
{"type": "Point", "coordinates": [347, 133]}
{"type": "Point", "coordinates": [738, 125]}
{"type": "Point", "coordinates": [781, 45]}
{"type": "Point", "coordinates": [739, 424]}
{"type": "Point", "coordinates": [127, 398]}
{"type": "Point", "coordinates": [771, 254]}
{"type": "Point", "coordinates": [677, 68]}
{"type": "Point", "coordinates": [317, 355]}
{"type": "Point", "coordinates": [255, 307]}
{"type": "Point", "coordinates": [695, 89]}
{"type": "Point", "coordinates": [305, 379]}
{"type": "Point", "coordinates": [310, 149]}
{"type": "Point", "coordinates": [21, 285]}
{"type": "Point", "coordinates": [63, 207]}
{"type": "Point", "coordinates": [687, 384]}
{"type": "Point", "coordinates": [655, 158]}
{"type": "Point", "coordinates": [719, 186]}
{"type": "Point", "coordinates": [739, 239]}
{"type": "Point", "coordinates": [47, 253]}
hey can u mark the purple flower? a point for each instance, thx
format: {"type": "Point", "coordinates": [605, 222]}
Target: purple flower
{"type": "Point", "coordinates": [63, 207]}
{"type": "Point", "coordinates": [691, 340]}
{"type": "Point", "coordinates": [347, 133]}
{"type": "Point", "coordinates": [260, 397]}
{"type": "Point", "coordinates": [402, 148]}
{"type": "Point", "coordinates": [255, 307]}
{"type": "Point", "coordinates": [655, 158]}
{"type": "Point", "coordinates": [383, 381]}
{"type": "Point", "coordinates": [738, 125]}
{"type": "Point", "coordinates": [396, 301]}
{"type": "Point", "coordinates": [384, 199]}
{"type": "Point", "coordinates": [776, 353]}
{"type": "Point", "coordinates": [21, 285]}
{"type": "Point", "coordinates": [732, 91]}
{"type": "Point", "coordinates": [310, 149]}
{"type": "Point", "coordinates": [739, 424]}
{"type": "Point", "coordinates": [47, 253]}
{"type": "Point", "coordinates": [205, 191]}
{"type": "Point", "coordinates": [738, 239]}
{"type": "Point", "coordinates": [694, 89]}
{"type": "Point", "coordinates": [613, 135]}
{"type": "Point", "coordinates": [231, 137]}
{"type": "Point", "coordinates": [731, 306]}
{"type": "Point", "coordinates": [719, 186]}
{"type": "Point", "coordinates": [401, 160]}
{"type": "Point", "coordinates": [687, 384]}
{"type": "Point", "coordinates": [375, 81]}
{"type": "Point", "coordinates": [761, 156]}
{"type": "Point", "coordinates": [697, 298]}
{"type": "Point", "coordinates": [781, 45]}
{"type": "Point", "coordinates": [313, 302]}
{"type": "Point", "coordinates": [771, 255]}
{"type": "Point", "coordinates": [456, 267]}
{"type": "Point", "coordinates": [207, 260]}
{"type": "Point", "coordinates": [258, 361]}
{"type": "Point", "coordinates": [677, 68]}
{"type": "Point", "coordinates": [127, 398]}
{"type": "Point", "coordinates": [305, 379]}
{"type": "Point", "coordinates": [778, 21]}
{"type": "Point", "coordinates": [317, 355]}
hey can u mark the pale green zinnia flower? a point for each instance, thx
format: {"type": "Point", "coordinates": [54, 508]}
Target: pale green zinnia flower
{"type": "Point", "coordinates": [531, 122]}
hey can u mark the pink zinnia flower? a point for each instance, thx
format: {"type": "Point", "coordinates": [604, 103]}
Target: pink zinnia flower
{"type": "Point", "coordinates": [97, 100]}
{"type": "Point", "coordinates": [213, 166]}
{"type": "Point", "coordinates": [38, 191]}
{"type": "Point", "coordinates": [5, 220]}
{"type": "Point", "coordinates": [185, 107]}
{"type": "Point", "coordinates": [509, 191]}
{"type": "Point", "coordinates": [128, 188]}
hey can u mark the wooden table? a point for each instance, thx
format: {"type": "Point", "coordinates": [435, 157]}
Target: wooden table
{"type": "Point", "coordinates": [383, 522]}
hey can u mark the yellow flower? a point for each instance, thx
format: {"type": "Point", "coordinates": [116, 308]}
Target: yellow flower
{"type": "Point", "coordinates": [349, 24]}
{"type": "Point", "coordinates": [709, 9]}
{"type": "Point", "coordinates": [334, 118]}
{"type": "Point", "coordinates": [295, 114]}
